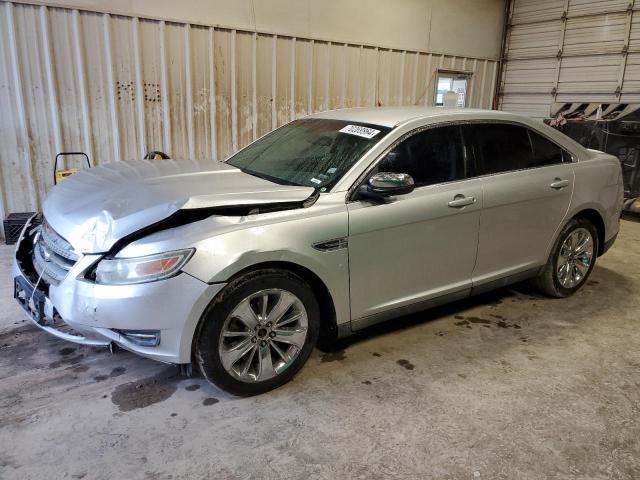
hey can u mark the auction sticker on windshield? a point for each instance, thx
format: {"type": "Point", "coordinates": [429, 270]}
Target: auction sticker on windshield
{"type": "Point", "coordinates": [365, 132]}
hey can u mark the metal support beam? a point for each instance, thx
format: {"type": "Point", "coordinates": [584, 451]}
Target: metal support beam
{"type": "Point", "coordinates": [414, 84]}
{"type": "Point", "coordinates": [427, 78]}
{"type": "Point", "coordinates": [191, 144]}
{"type": "Point", "coordinates": [274, 76]}
{"type": "Point", "coordinates": [310, 78]}
{"type": "Point", "coordinates": [254, 85]}
{"type": "Point", "coordinates": [164, 90]}
{"type": "Point", "coordinates": [113, 109]}
{"type": "Point", "coordinates": [472, 83]}
{"type": "Point", "coordinates": [563, 31]}
{"type": "Point", "coordinates": [343, 93]}
{"type": "Point", "coordinates": [292, 81]}
{"type": "Point", "coordinates": [327, 77]}
{"type": "Point", "coordinates": [484, 77]}
{"type": "Point", "coordinates": [401, 93]}
{"type": "Point", "coordinates": [54, 108]}
{"type": "Point", "coordinates": [212, 95]}
{"type": "Point", "coordinates": [234, 99]}
{"type": "Point", "coordinates": [140, 94]}
{"type": "Point", "coordinates": [82, 87]}
{"type": "Point", "coordinates": [625, 48]}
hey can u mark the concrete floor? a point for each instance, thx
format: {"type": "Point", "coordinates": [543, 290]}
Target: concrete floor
{"type": "Point", "coordinates": [508, 385]}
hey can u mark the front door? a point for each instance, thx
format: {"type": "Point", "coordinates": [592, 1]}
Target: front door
{"type": "Point", "coordinates": [419, 246]}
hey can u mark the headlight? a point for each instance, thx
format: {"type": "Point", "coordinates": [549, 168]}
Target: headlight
{"type": "Point", "coordinates": [124, 271]}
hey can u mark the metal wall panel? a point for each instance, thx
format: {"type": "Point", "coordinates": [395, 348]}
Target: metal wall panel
{"type": "Point", "coordinates": [534, 40]}
{"type": "Point", "coordinates": [570, 51]}
{"type": "Point", "coordinates": [117, 87]}
{"type": "Point", "coordinates": [529, 11]}
{"type": "Point", "coordinates": [632, 82]}
{"type": "Point", "coordinates": [594, 34]}
{"type": "Point", "coordinates": [597, 7]}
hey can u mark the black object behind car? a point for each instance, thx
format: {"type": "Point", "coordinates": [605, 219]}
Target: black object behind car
{"type": "Point", "coordinates": [616, 133]}
{"type": "Point", "coordinates": [13, 226]}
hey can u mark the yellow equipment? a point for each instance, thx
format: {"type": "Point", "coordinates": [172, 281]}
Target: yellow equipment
{"type": "Point", "coordinates": [59, 175]}
{"type": "Point", "coordinates": [62, 174]}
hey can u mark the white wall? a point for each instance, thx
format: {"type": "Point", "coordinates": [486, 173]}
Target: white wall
{"type": "Point", "coordinates": [119, 85]}
{"type": "Point", "coordinates": [469, 28]}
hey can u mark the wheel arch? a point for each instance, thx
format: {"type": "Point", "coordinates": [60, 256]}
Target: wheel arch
{"type": "Point", "coordinates": [596, 219]}
{"type": "Point", "coordinates": [328, 318]}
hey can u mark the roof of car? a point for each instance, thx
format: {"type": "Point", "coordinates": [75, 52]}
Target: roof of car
{"type": "Point", "coordinates": [392, 116]}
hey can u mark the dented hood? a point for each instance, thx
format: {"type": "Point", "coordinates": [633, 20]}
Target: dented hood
{"type": "Point", "coordinates": [95, 208]}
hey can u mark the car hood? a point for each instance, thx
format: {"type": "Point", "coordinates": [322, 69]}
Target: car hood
{"type": "Point", "coordinates": [95, 208]}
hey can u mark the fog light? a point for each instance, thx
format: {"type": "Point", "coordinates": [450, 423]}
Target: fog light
{"type": "Point", "coordinates": [143, 338]}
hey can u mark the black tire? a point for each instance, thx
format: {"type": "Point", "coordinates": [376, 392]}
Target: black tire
{"type": "Point", "coordinates": [548, 281]}
{"type": "Point", "coordinates": [206, 347]}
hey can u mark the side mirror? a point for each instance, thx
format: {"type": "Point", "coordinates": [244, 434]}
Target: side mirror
{"type": "Point", "coordinates": [387, 184]}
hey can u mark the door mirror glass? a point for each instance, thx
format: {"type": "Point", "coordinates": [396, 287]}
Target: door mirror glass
{"type": "Point", "coordinates": [387, 184]}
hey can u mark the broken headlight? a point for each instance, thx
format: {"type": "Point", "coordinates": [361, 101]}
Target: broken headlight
{"type": "Point", "coordinates": [124, 271]}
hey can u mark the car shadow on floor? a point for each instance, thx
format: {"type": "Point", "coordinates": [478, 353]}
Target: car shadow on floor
{"type": "Point", "coordinates": [606, 280]}
{"type": "Point", "coordinates": [37, 364]}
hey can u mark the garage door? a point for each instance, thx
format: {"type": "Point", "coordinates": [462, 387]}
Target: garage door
{"type": "Point", "coordinates": [570, 51]}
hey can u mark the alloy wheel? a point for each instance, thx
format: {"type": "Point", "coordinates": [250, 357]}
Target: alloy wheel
{"type": "Point", "coordinates": [575, 257]}
{"type": "Point", "coordinates": [263, 335]}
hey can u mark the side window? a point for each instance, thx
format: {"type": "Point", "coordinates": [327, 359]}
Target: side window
{"type": "Point", "coordinates": [501, 147]}
{"type": "Point", "coordinates": [432, 156]}
{"type": "Point", "coordinates": [545, 152]}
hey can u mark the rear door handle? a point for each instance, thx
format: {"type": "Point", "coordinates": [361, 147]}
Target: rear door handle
{"type": "Point", "coordinates": [460, 201]}
{"type": "Point", "coordinates": [558, 183]}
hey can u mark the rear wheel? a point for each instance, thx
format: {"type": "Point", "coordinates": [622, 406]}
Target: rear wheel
{"type": "Point", "coordinates": [571, 261]}
{"type": "Point", "coordinates": [258, 333]}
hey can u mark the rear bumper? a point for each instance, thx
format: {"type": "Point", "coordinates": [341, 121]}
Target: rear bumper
{"type": "Point", "coordinates": [93, 314]}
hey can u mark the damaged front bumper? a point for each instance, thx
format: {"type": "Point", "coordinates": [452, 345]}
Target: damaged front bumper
{"type": "Point", "coordinates": [84, 312]}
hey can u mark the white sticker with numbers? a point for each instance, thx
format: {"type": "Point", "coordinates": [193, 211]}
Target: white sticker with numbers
{"type": "Point", "coordinates": [365, 132]}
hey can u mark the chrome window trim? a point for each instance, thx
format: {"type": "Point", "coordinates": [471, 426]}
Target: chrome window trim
{"type": "Point", "coordinates": [395, 143]}
{"type": "Point", "coordinates": [367, 171]}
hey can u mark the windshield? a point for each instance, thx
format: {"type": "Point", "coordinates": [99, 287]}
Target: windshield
{"type": "Point", "coordinates": [311, 152]}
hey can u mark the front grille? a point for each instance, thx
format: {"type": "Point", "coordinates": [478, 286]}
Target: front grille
{"type": "Point", "coordinates": [52, 255]}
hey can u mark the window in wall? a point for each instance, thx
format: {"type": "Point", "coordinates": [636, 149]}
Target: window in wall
{"type": "Point", "coordinates": [451, 89]}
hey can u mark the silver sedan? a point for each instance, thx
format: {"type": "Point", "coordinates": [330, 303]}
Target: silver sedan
{"type": "Point", "coordinates": [317, 230]}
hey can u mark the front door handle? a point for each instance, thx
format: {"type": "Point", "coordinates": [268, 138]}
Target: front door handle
{"type": "Point", "coordinates": [460, 201]}
{"type": "Point", "coordinates": [558, 183]}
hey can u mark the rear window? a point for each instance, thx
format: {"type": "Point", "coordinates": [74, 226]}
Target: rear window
{"type": "Point", "coordinates": [501, 147]}
{"type": "Point", "coordinates": [545, 152]}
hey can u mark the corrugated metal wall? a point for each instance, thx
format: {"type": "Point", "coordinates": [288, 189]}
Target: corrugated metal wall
{"type": "Point", "coordinates": [585, 51]}
{"type": "Point", "coordinates": [117, 87]}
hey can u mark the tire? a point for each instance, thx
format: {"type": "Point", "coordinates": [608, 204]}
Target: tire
{"type": "Point", "coordinates": [556, 280]}
{"type": "Point", "coordinates": [236, 324]}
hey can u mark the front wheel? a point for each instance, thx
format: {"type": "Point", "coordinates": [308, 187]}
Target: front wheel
{"type": "Point", "coordinates": [571, 261]}
{"type": "Point", "coordinates": [258, 333]}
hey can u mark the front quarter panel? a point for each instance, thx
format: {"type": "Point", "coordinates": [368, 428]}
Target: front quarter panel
{"type": "Point", "coordinates": [219, 258]}
{"type": "Point", "coordinates": [225, 246]}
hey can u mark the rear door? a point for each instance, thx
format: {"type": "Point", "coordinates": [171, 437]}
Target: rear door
{"type": "Point", "coordinates": [527, 184]}
{"type": "Point", "coordinates": [419, 246]}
